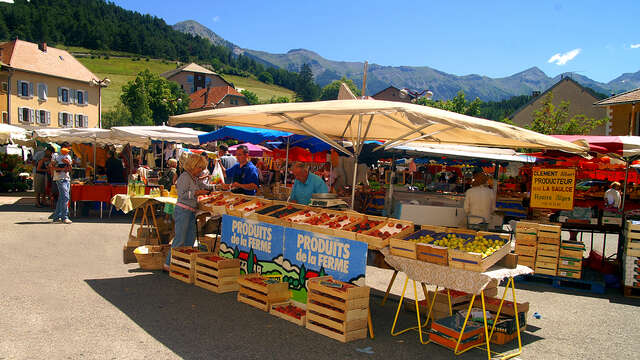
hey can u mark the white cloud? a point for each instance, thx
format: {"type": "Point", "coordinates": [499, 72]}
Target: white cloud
{"type": "Point", "coordinates": [7, 1]}
{"type": "Point", "coordinates": [216, 18]}
{"type": "Point", "coordinates": [561, 59]}
{"type": "Point", "coordinates": [634, 46]}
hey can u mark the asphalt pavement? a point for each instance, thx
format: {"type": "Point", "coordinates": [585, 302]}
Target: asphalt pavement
{"type": "Point", "coordinates": [67, 295]}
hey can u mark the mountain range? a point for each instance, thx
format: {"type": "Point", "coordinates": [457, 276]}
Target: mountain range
{"type": "Point", "coordinates": [443, 85]}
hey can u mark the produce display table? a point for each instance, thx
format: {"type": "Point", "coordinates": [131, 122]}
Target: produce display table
{"type": "Point", "coordinates": [83, 192]}
{"type": "Point", "coordinates": [147, 216]}
{"type": "Point", "coordinates": [127, 203]}
{"type": "Point", "coordinates": [459, 280]}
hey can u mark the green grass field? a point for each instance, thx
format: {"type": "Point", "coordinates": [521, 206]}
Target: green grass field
{"type": "Point", "coordinates": [264, 91]}
{"type": "Point", "coordinates": [121, 70]}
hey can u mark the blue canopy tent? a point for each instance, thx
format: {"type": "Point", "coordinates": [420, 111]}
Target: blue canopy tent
{"type": "Point", "coordinates": [242, 134]}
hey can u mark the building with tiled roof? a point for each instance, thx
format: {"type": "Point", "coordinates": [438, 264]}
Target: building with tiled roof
{"type": "Point", "coordinates": [580, 101]}
{"type": "Point", "coordinates": [193, 77]}
{"type": "Point", "coordinates": [623, 111]}
{"type": "Point", "coordinates": [215, 98]}
{"type": "Point", "coordinates": [43, 86]}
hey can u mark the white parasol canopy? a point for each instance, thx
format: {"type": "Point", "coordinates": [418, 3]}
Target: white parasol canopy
{"type": "Point", "coordinates": [464, 151]}
{"type": "Point", "coordinates": [143, 135]}
{"type": "Point", "coordinates": [77, 136]}
{"type": "Point", "coordinates": [13, 135]}
{"type": "Point", "coordinates": [394, 122]}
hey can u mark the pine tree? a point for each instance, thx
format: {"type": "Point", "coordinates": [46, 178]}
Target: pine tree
{"type": "Point", "coordinates": [306, 89]}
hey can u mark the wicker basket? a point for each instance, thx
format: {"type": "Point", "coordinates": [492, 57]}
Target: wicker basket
{"type": "Point", "coordinates": [151, 257]}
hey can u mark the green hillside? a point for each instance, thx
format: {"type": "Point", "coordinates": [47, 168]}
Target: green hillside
{"type": "Point", "coordinates": [120, 70]}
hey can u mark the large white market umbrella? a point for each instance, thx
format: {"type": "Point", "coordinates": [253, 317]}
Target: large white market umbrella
{"type": "Point", "coordinates": [393, 122]}
{"type": "Point", "coordinates": [13, 135]}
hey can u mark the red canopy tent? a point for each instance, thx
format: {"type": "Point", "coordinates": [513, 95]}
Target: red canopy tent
{"type": "Point", "coordinates": [300, 154]}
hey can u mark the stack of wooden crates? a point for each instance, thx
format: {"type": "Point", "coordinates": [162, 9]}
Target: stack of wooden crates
{"type": "Point", "coordinates": [631, 259]}
{"type": "Point", "coordinates": [526, 243]}
{"type": "Point", "coordinates": [570, 264]}
{"type": "Point", "coordinates": [548, 252]}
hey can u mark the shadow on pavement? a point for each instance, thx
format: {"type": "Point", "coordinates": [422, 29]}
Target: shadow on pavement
{"type": "Point", "coordinates": [91, 217]}
{"type": "Point", "coordinates": [195, 323]}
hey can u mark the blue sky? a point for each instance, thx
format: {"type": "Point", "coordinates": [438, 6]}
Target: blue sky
{"type": "Point", "coordinates": [497, 38]}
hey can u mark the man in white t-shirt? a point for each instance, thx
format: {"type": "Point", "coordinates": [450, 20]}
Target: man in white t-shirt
{"type": "Point", "coordinates": [61, 167]}
{"type": "Point", "coordinates": [612, 197]}
{"type": "Point", "coordinates": [479, 201]}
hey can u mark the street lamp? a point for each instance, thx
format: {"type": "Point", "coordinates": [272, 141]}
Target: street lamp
{"type": "Point", "coordinates": [100, 84]}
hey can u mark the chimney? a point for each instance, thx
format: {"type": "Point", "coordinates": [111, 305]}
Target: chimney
{"type": "Point", "coordinates": [206, 96]}
{"type": "Point", "coordinates": [42, 46]}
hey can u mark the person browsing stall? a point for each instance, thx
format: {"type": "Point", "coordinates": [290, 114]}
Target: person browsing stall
{"type": "Point", "coordinates": [189, 187]}
{"type": "Point", "coordinates": [60, 165]}
{"type": "Point", "coordinates": [306, 184]}
{"type": "Point", "coordinates": [612, 197]}
{"type": "Point", "coordinates": [479, 200]}
{"type": "Point", "coordinates": [226, 160]}
{"type": "Point", "coordinates": [242, 178]}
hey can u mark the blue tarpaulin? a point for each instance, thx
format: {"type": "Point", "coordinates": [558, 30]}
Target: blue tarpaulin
{"type": "Point", "coordinates": [242, 134]}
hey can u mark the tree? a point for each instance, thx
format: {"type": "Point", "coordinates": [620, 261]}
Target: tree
{"type": "Point", "coordinates": [330, 91]}
{"type": "Point", "coordinates": [151, 99]}
{"type": "Point", "coordinates": [265, 77]}
{"type": "Point", "coordinates": [458, 104]}
{"type": "Point", "coordinates": [252, 98]}
{"type": "Point", "coordinates": [306, 89]}
{"type": "Point", "coordinates": [279, 99]}
{"type": "Point", "coordinates": [549, 119]}
{"type": "Point", "coordinates": [118, 116]}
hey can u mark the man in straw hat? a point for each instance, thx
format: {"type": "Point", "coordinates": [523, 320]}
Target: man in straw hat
{"type": "Point", "coordinates": [479, 201]}
{"type": "Point", "coordinates": [612, 197]}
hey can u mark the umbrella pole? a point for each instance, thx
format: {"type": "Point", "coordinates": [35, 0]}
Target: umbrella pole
{"type": "Point", "coordinates": [286, 164]}
{"type": "Point", "coordinates": [356, 153]}
{"type": "Point", "coordinates": [95, 150]}
{"type": "Point", "coordinates": [626, 178]}
{"type": "Point", "coordinates": [162, 158]}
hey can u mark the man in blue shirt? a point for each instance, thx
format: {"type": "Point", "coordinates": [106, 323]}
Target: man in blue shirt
{"type": "Point", "coordinates": [242, 178]}
{"type": "Point", "coordinates": [306, 184]}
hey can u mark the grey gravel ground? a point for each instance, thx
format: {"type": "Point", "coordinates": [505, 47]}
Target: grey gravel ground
{"type": "Point", "coordinates": [67, 295]}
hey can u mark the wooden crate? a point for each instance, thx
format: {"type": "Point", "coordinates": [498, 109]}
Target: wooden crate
{"type": "Point", "coordinates": [401, 246]}
{"type": "Point", "coordinates": [339, 313]}
{"type": "Point", "coordinates": [526, 239]}
{"type": "Point", "coordinates": [219, 275]}
{"type": "Point", "coordinates": [525, 250]}
{"type": "Point", "coordinates": [260, 293]}
{"type": "Point", "coordinates": [344, 231]}
{"type": "Point", "coordinates": [525, 227]}
{"type": "Point", "coordinates": [548, 250]}
{"type": "Point", "coordinates": [545, 271]}
{"type": "Point", "coordinates": [289, 317]}
{"type": "Point", "coordinates": [549, 232]}
{"type": "Point", "coordinates": [528, 261]}
{"type": "Point", "coordinates": [433, 254]}
{"type": "Point", "coordinates": [183, 263]}
{"type": "Point", "coordinates": [569, 263]}
{"type": "Point", "coordinates": [570, 273]}
{"type": "Point", "coordinates": [474, 262]}
{"type": "Point", "coordinates": [376, 238]}
{"type": "Point", "coordinates": [571, 254]}
{"type": "Point", "coordinates": [248, 208]}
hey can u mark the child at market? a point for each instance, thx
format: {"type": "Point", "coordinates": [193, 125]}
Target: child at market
{"type": "Point", "coordinates": [189, 187]}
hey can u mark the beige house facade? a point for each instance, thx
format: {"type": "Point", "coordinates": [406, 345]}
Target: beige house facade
{"type": "Point", "coordinates": [580, 101]}
{"type": "Point", "coordinates": [623, 111]}
{"type": "Point", "coordinates": [193, 77]}
{"type": "Point", "coordinates": [45, 87]}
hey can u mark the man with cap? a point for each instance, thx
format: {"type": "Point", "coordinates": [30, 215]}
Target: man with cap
{"type": "Point", "coordinates": [612, 197]}
{"type": "Point", "coordinates": [479, 200]}
{"type": "Point", "coordinates": [61, 168]}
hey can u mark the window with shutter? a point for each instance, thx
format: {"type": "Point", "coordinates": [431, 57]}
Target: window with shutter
{"type": "Point", "coordinates": [48, 118]}
{"type": "Point", "coordinates": [85, 121]}
{"type": "Point", "coordinates": [41, 117]}
{"type": "Point", "coordinates": [72, 96]}
{"type": "Point", "coordinates": [24, 89]}
{"type": "Point", "coordinates": [30, 89]}
{"type": "Point", "coordinates": [64, 95]}
{"type": "Point", "coordinates": [37, 117]}
{"type": "Point", "coordinates": [32, 115]}
{"type": "Point", "coordinates": [59, 94]}
{"type": "Point", "coordinates": [5, 87]}
{"type": "Point", "coordinates": [60, 119]}
{"type": "Point", "coordinates": [86, 97]}
{"type": "Point", "coordinates": [20, 114]}
{"type": "Point", "coordinates": [42, 91]}
{"type": "Point", "coordinates": [80, 97]}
